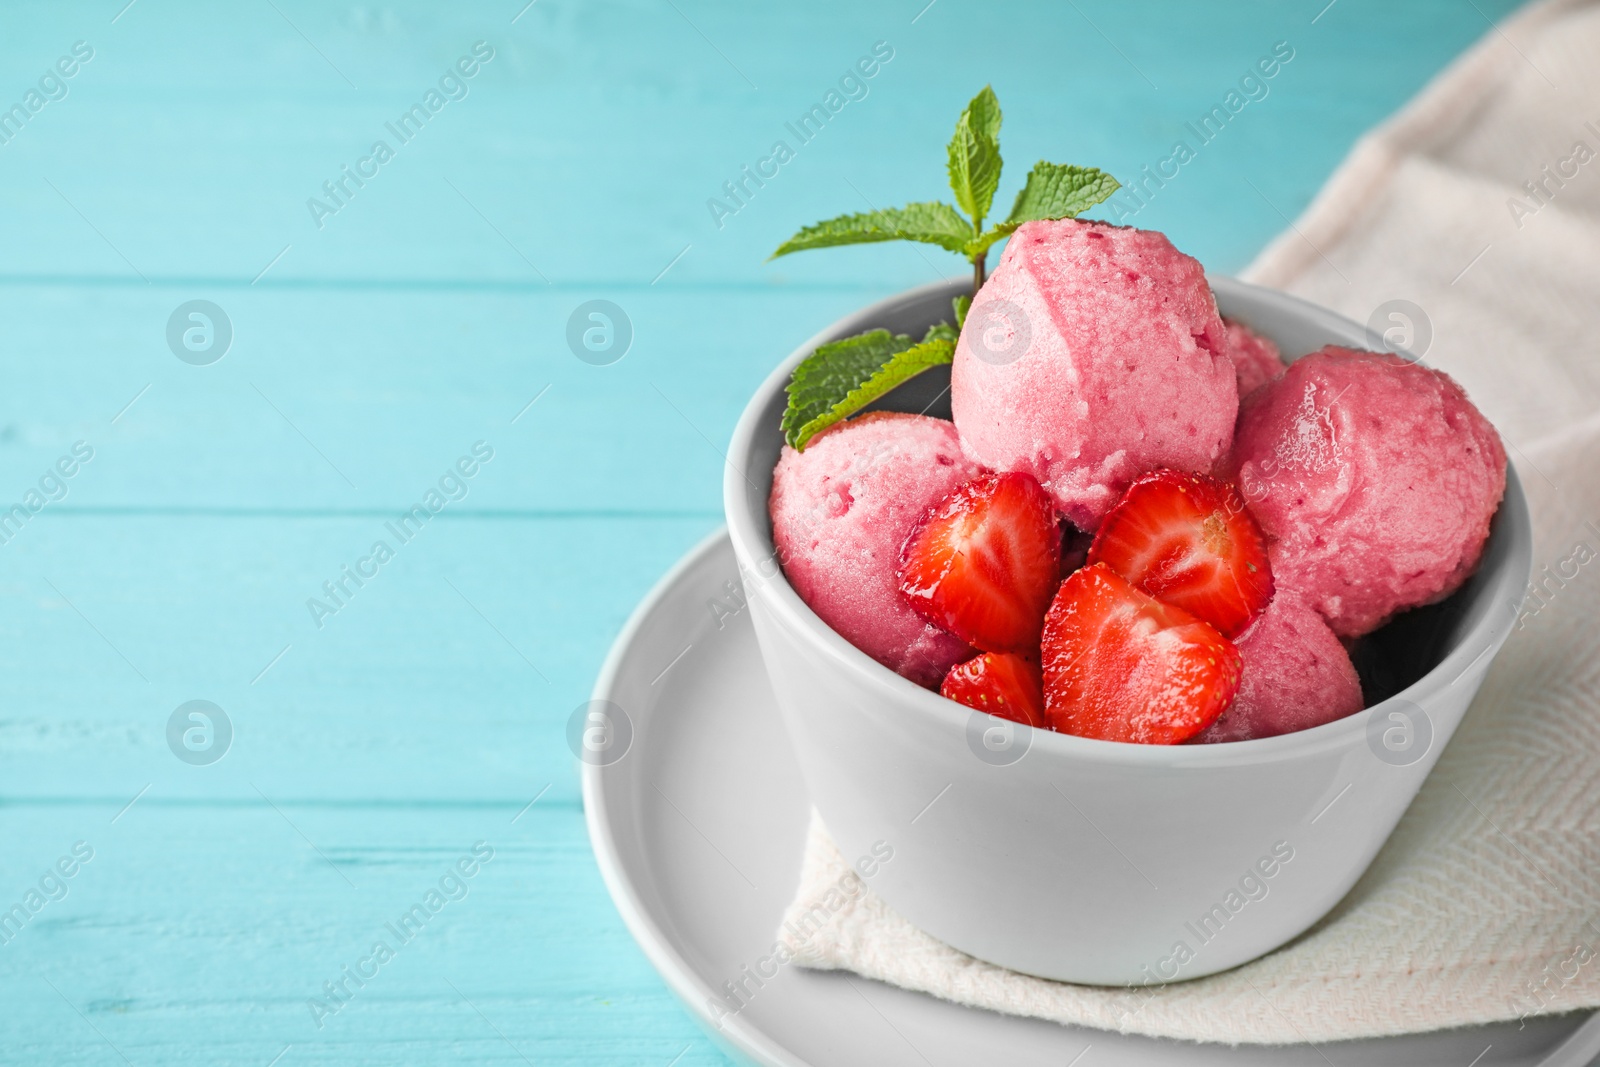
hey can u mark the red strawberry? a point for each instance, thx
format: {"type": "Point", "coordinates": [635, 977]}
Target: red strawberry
{"type": "Point", "coordinates": [982, 563]}
{"type": "Point", "coordinates": [1188, 539]}
{"type": "Point", "coordinates": [1122, 666]}
{"type": "Point", "coordinates": [1000, 683]}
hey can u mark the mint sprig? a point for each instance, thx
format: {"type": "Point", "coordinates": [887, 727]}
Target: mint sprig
{"type": "Point", "coordinates": [842, 377]}
{"type": "Point", "coordinates": [931, 223]}
{"type": "Point", "coordinates": [963, 304]}
{"type": "Point", "coordinates": [1052, 191]}
{"type": "Point", "coordinates": [974, 156]}
{"type": "Point", "coordinates": [825, 377]}
{"type": "Point", "coordinates": [898, 369]}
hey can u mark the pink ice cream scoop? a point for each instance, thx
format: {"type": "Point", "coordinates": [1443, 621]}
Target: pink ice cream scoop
{"type": "Point", "coordinates": [1255, 359]}
{"type": "Point", "coordinates": [1296, 675]}
{"type": "Point", "coordinates": [1093, 355]}
{"type": "Point", "coordinates": [842, 509]}
{"type": "Point", "coordinates": [1374, 477]}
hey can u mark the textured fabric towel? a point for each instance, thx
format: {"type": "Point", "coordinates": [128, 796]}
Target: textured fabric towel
{"type": "Point", "coordinates": [1479, 204]}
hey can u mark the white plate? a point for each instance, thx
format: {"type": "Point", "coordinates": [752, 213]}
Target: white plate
{"type": "Point", "coordinates": [698, 829]}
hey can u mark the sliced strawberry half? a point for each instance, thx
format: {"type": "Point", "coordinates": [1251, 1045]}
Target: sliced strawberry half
{"type": "Point", "coordinates": [1120, 665]}
{"type": "Point", "coordinates": [1189, 540]}
{"type": "Point", "coordinates": [1001, 683]}
{"type": "Point", "coordinates": [983, 562]}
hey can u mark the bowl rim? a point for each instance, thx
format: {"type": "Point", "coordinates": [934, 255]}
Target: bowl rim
{"type": "Point", "coordinates": [751, 540]}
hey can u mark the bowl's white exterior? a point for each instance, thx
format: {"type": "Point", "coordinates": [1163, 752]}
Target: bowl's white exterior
{"type": "Point", "coordinates": [1093, 861]}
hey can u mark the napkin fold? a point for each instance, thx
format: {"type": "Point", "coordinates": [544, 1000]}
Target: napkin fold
{"type": "Point", "coordinates": [1469, 222]}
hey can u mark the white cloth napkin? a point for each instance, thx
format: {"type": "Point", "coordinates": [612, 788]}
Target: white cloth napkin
{"type": "Point", "coordinates": [1485, 904]}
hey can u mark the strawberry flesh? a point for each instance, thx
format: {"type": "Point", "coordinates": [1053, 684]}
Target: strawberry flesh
{"type": "Point", "coordinates": [983, 562]}
{"type": "Point", "coordinates": [1120, 665]}
{"type": "Point", "coordinates": [1189, 540]}
{"type": "Point", "coordinates": [1000, 683]}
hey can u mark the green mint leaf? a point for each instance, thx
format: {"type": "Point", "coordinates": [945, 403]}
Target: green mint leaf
{"type": "Point", "coordinates": [901, 367]}
{"type": "Point", "coordinates": [962, 304]}
{"type": "Point", "coordinates": [1058, 191]}
{"type": "Point", "coordinates": [942, 331]}
{"type": "Point", "coordinates": [827, 376]}
{"type": "Point", "coordinates": [975, 155]}
{"type": "Point", "coordinates": [930, 222]}
{"type": "Point", "coordinates": [981, 243]}
{"type": "Point", "coordinates": [1053, 191]}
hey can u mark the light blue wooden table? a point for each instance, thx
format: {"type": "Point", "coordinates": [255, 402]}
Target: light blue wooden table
{"type": "Point", "coordinates": [372, 347]}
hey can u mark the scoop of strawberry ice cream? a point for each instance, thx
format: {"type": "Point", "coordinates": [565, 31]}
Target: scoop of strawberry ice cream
{"type": "Point", "coordinates": [841, 511]}
{"type": "Point", "coordinates": [1374, 477]}
{"type": "Point", "coordinates": [1255, 359]}
{"type": "Point", "coordinates": [1092, 355]}
{"type": "Point", "coordinates": [1296, 675]}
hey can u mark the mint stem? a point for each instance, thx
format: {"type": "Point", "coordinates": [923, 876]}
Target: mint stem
{"type": "Point", "coordinates": [979, 260]}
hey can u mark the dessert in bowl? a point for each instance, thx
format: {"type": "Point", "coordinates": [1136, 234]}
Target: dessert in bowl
{"type": "Point", "coordinates": [1127, 849]}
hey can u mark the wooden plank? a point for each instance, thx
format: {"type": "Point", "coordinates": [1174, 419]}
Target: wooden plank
{"type": "Point", "coordinates": [197, 934]}
{"type": "Point", "coordinates": [447, 677]}
{"type": "Point", "coordinates": [361, 400]}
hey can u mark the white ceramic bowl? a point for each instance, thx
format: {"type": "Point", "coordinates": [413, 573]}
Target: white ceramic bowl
{"type": "Point", "coordinates": [1097, 861]}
